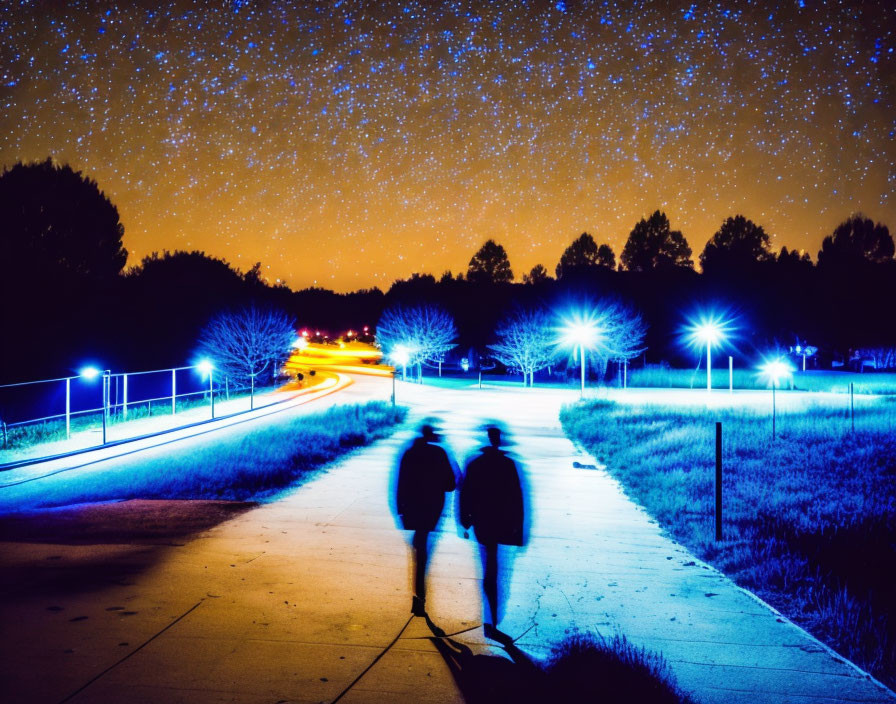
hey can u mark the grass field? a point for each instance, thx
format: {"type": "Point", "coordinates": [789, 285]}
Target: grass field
{"type": "Point", "coordinates": [248, 467]}
{"type": "Point", "coordinates": [809, 518]}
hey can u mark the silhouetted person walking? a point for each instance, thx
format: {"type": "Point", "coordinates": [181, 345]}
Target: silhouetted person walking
{"type": "Point", "coordinates": [491, 502]}
{"type": "Point", "coordinates": [424, 476]}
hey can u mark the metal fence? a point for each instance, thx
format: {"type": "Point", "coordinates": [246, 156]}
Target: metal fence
{"type": "Point", "coordinates": [51, 409]}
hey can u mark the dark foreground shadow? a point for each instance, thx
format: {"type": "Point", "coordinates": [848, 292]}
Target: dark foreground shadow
{"type": "Point", "coordinates": [123, 539]}
{"type": "Point", "coordinates": [132, 522]}
{"type": "Point", "coordinates": [490, 678]}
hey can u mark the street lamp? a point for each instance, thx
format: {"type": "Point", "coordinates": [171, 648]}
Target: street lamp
{"type": "Point", "coordinates": [581, 331]}
{"type": "Point", "coordinates": [206, 367]}
{"type": "Point", "coordinates": [775, 370]}
{"type": "Point", "coordinates": [400, 355]}
{"type": "Point", "coordinates": [89, 373]}
{"type": "Point", "coordinates": [710, 334]}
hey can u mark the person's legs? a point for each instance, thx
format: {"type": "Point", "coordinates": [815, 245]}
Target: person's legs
{"type": "Point", "coordinates": [490, 581]}
{"type": "Point", "coordinates": [421, 556]}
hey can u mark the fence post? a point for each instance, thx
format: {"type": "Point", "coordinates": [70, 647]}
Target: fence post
{"type": "Point", "coordinates": [124, 397]}
{"type": "Point", "coordinates": [68, 408]}
{"type": "Point", "coordinates": [718, 480]}
{"type": "Point", "coordinates": [173, 391]}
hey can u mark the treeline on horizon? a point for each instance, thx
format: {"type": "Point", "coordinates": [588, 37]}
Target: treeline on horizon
{"type": "Point", "coordinates": [68, 299]}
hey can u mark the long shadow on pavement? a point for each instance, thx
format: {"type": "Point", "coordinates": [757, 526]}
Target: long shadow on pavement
{"type": "Point", "coordinates": [490, 678]}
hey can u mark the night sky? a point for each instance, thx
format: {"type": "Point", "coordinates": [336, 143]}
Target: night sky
{"type": "Point", "coordinates": [347, 144]}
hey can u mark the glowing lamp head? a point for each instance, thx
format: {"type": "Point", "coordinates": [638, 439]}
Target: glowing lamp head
{"type": "Point", "coordinates": [776, 370]}
{"type": "Point", "coordinates": [401, 355]}
{"type": "Point", "coordinates": [89, 373]}
{"type": "Point", "coordinates": [205, 366]}
{"type": "Point", "coordinates": [708, 333]}
{"type": "Point", "coordinates": [580, 330]}
{"type": "Point", "coordinates": [301, 343]}
{"type": "Point", "coordinates": [708, 330]}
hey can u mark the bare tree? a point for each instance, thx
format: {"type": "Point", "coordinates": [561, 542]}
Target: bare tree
{"type": "Point", "coordinates": [526, 342]}
{"type": "Point", "coordinates": [624, 332]}
{"type": "Point", "coordinates": [248, 343]}
{"type": "Point", "coordinates": [426, 332]}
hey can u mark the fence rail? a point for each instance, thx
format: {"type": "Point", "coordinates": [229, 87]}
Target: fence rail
{"type": "Point", "coordinates": [85, 401]}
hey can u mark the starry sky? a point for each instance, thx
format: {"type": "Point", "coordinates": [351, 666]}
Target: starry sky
{"type": "Point", "coordinates": [347, 144]}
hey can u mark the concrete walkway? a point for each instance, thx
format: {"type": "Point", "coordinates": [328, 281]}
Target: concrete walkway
{"type": "Point", "coordinates": [292, 601]}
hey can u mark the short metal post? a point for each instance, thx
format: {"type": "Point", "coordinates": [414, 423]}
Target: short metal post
{"type": "Point", "coordinates": [124, 397]}
{"type": "Point", "coordinates": [107, 382]}
{"type": "Point", "coordinates": [211, 391]}
{"type": "Point", "coordinates": [480, 378]}
{"type": "Point", "coordinates": [625, 374]}
{"type": "Point", "coordinates": [718, 480]}
{"type": "Point", "coordinates": [251, 392]}
{"type": "Point", "coordinates": [730, 374]}
{"type": "Point", "coordinates": [173, 391]}
{"type": "Point", "coordinates": [68, 408]}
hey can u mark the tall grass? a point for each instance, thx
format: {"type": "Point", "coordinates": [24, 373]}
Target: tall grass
{"type": "Point", "coordinates": [836, 382]}
{"type": "Point", "coordinates": [247, 466]}
{"type": "Point", "coordinates": [809, 518]}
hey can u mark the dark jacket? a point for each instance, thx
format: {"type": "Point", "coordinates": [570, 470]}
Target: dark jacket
{"type": "Point", "coordinates": [424, 475]}
{"type": "Point", "coordinates": [491, 499]}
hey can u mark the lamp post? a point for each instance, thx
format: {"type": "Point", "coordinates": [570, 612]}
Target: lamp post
{"type": "Point", "coordinates": [776, 370]}
{"type": "Point", "coordinates": [583, 331]}
{"type": "Point", "coordinates": [709, 333]}
{"type": "Point", "coordinates": [400, 356]}
{"type": "Point", "coordinates": [89, 373]}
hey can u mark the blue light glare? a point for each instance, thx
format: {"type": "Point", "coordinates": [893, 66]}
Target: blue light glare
{"type": "Point", "coordinates": [708, 328]}
{"type": "Point", "coordinates": [776, 369]}
{"type": "Point", "coordinates": [581, 327]}
{"type": "Point", "coordinates": [89, 373]}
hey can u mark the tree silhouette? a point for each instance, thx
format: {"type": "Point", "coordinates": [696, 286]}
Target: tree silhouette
{"type": "Point", "coordinates": [248, 345]}
{"type": "Point", "coordinates": [490, 265]}
{"type": "Point", "coordinates": [855, 241]}
{"type": "Point", "coordinates": [737, 245]}
{"type": "Point", "coordinates": [526, 342]}
{"type": "Point", "coordinates": [57, 226]}
{"type": "Point", "coordinates": [652, 245]}
{"type": "Point", "coordinates": [426, 332]}
{"type": "Point", "coordinates": [582, 253]}
{"type": "Point", "coordinates": [537, 275]}
{"type": "Point", "coordinates": [606, 257]}
{"type": "Point", "coordinates": [793, 260]}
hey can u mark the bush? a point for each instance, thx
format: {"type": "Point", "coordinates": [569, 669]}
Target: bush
{"type": "Point", "coordinates": [586, 668]}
